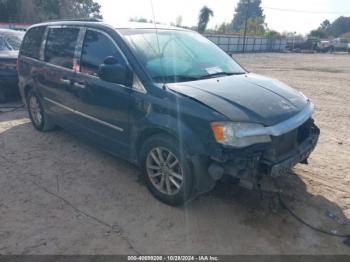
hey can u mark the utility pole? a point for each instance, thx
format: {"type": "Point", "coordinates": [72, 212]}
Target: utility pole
{"type": "Point", "coordinates": [247, 2]}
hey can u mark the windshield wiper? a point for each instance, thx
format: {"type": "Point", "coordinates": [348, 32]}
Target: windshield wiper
{"type": "Point", "coordinates": [218, 74]}
{"type": "Point", "coordinates": [185, 78]}
{"type": "Point", "coordinates": [175, 78]}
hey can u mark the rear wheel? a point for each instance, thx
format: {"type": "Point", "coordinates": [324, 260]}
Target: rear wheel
{"type": "Point", "coordinates": [37, 113]}
{"type": "Point", "coordinates": [167, 170]}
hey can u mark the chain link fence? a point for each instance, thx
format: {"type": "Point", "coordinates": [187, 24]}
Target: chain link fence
{"type": "Point", "coordinates": [253, 44]}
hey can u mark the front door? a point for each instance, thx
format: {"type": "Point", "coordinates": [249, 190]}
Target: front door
{"type": "Point", "coordinates": [103, 107]}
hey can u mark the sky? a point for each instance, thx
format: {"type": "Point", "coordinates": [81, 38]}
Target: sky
{"type": "Point", "coordinates": [166, 11]}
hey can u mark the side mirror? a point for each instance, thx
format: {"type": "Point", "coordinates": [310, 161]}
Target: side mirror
{"type": "Point", "coordinates": [114, 72]}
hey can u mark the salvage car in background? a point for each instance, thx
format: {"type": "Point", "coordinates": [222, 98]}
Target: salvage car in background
{"type": "Point", "coordinates": [335, 45]}
{"type": "Point", "coordinates": [10, 42]}
{"type": "Point", "coordinates": [168, 100]}
{"type": "Point", "coordinates": [339, 44]}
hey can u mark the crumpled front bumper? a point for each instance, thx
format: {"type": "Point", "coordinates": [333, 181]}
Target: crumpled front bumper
{"type": "Point", "coordinates": [251, 166]}
{"type": "Point", "coordinates": [298, 155]}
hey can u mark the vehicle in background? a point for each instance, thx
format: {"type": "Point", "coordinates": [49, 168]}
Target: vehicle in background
{"type": "Point", "coordinates": [301, 46]}
{"type": "Point", "coordinates": [166, 99]}
{"type": "Point", "coordinates": [324, 46]}
{"type": "Point", "coordinates": [340, 45]}
{"type": "Point", "coordinates": [10, 42]}
{"type": "Point", "coordinates": [335, 45]}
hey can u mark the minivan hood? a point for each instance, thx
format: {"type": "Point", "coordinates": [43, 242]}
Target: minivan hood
{"type": "Point", "coordinates": [246, 98]}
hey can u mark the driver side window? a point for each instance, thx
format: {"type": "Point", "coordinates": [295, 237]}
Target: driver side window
{"type": "Point", "coordinates": [97, 47]}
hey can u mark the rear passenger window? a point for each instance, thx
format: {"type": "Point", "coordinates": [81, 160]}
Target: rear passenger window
{"type": "Point", "coordinates": [60, 46]}
{"type": "Point", "coordinates": [32, 42]}
{"type": "Point", "coordinates": [97, 47]}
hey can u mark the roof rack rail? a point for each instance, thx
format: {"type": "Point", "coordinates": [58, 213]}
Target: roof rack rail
{"type": "Point", "coordinates": [77, 20]}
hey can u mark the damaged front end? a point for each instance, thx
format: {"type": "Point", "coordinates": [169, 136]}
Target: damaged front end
{"type": "Point", "coordinates": [288, 147]}
{"type": "Point", "coordinates": [273, 160]}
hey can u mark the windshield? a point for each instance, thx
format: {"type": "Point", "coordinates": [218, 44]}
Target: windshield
{"type": "Point", "coordinates": [10, 40]}
{"type": "Point", "coordinates": [179, 56]}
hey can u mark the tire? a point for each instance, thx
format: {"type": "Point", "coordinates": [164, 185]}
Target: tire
{"type": "Point", "coordinates": [37, 114]}
{"type": "Point", "coordinates": [167, 170]}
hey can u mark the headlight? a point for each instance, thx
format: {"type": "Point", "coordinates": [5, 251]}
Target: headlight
{"type": "Point", "coordinates": [225, 133]}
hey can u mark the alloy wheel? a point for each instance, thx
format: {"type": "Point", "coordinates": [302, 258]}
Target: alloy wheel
{"type": "Point", "coordinates": [164, 171]}
{"type": "Point", "coordinates": [35, 110]}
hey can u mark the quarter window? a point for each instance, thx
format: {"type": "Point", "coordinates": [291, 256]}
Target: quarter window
{"type": "Point", "coordinates": [97, 47]}
{"type": "Point", "coordinates": [60, 46]}
{"type": "Point", "coordinates": [32, 42]}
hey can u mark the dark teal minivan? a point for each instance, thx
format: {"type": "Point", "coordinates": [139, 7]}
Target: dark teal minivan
{"type": "Point", "coordinates": [166, 99]}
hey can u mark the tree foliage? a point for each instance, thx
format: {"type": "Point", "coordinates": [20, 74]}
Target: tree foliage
{"type": "Point", "coordinates": [255, 26]}
{"type": "Point", "coordinates": [327, 29]}
{"type": "Point", "coordinates": [272, 33]}
{"type": "Point", "coordinates": [33, 11]}
{"type": "Point", "coordinates": [340, 26]}
{"type": "Point", "coordinates": [204, 17]}
{"type": "Point", "coordinates": [247, 9]}
{"type": "Point", "coordinates": [346, 35]}
{"type": "Point", "coordinates": [223, 28]}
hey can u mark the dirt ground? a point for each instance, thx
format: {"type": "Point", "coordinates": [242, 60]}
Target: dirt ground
{"type": "Point", "coordinates": [59, 195]}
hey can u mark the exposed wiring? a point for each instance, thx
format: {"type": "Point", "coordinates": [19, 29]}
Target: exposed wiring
{"type": "Point", "coordinates": [283, 204]}
{"type": "Point", "coordinates": [302, 221]}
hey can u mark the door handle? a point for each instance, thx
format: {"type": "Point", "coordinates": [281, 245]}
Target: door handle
{"type": "Point", "coordinates": [80, 85]}
{"type": "Point", "coordinates": [65, 81]}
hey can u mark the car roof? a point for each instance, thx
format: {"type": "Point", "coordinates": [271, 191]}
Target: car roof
{"type": "Point", "coordinates": [2, 30]}
{"type": "Point", "coordinates": [137, 25]}
{"type": "Point", "coordinates": [100, 23]}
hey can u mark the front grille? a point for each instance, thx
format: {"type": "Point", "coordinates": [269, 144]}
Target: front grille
{"type": "Point", "coordinates": [284, 144]}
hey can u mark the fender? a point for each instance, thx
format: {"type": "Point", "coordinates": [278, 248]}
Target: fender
{"type": "Point", "coordinates": [161, 123]}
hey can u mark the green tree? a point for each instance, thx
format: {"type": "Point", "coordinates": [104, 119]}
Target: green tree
{"type": "Point", "coordinates": [323, 30]}
{"type": "Point", "coordinates": [340, 26]}
{"type": "Point", "coordinates": [255, 26]}
{"type": "Point", "coordinates": [33, 11]}
{"type": "Point", "coordinates": [223, 28]}
{"type": "Point", "coordinates": [247, 10]}
{"type": "Point", "coordinates": [272, 33]}
{"type": "Point", "coordinates": [325, 25]}
{"type": "Point", "coordinates": [204, 17]}
{"type": "Point", "coordinates": [8, 10]}
{"type": "Point", "coordinates": [327, 29]}
{"type": "Point", "coordinates": [318, 33]}
{"type": "Point", "coordinates": [346, 35]}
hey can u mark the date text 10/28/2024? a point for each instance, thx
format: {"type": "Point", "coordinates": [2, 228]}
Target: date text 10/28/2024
{"type": "Point", "coordinates": [173, 258]}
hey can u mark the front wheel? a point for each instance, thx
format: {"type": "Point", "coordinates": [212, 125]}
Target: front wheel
{"type": "Point", "coordinates": [167, 170]}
